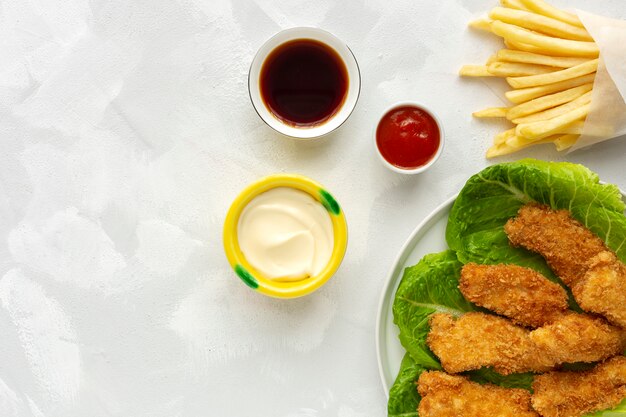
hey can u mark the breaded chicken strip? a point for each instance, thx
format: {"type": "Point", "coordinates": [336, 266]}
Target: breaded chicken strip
{"type": "Point", "coordinates": [564, 242]}
{"type": "Point", "coordinates": [446, 395]}
{"type": "Point", "coordinates": [573, 394]}
{"type": "Point", "coordinates": [602, 289]}
{"type": "Point", "coordinates": [522, 294]}
{"type": "Point", "coordinates": [476, 340]}
{"type": "Point", "coordinates": [580, 258]}
{"type": "Point", "coordinates": [578, 338]}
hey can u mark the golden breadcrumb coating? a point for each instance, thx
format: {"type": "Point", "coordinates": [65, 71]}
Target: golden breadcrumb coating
{"type": "Point", "coordinates": [522, 294]}
{"type": "Point", "coordinates": [579, 257]}
{"type": "Point", "coordinates": [446, 395]}
{"type": "Point", "coordinates": [564, 242]}
{"type": "Point", "coordinates": [476, 340]}
{"type": "Point", "coordinates": [578, 338]}
{"type": "Point", "coordinates": [573, 394]}
{"type": "Point", "coordinates": [602, 289]}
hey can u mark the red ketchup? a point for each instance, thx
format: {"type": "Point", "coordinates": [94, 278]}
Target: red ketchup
{"type": "Point", "coordinates": [408, 137]}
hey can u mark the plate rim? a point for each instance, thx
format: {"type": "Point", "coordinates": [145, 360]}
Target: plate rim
{"type": "Point", "coordinates": [402, 255]}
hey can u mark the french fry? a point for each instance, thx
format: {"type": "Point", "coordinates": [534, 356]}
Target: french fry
{"type": "Point", "coordinates": [516, 69]}
{"type": "Point", "coordinates": [520, 142]}
{"type": "Point", "coordinates": [493, 58]}
{"type": "Point", "coordinates": [540, 130]}
{"type": "Point", "coordinates": [547, 102]}
{"type": "Point", "coordinates": [540, 23]}
{"type": "Point", "coordinates": [564, 142]}
{"type": "Point", "coordinates": [510, 55]}
{"type": "Point", "coordinates": [491, 112]}
{"type": "Point", "coordinates": [551, 61]}
{"type": "Point", "coordinates": [481, 24]}
{"type": "Point", "coordinates": [514, 4]}
{"type": "Point", "coordinates": [517, 142]}
{"type": "Point", "coordinates": [555, 76]}
{"type": "Point", "coordinates": [522, 95]}
{"type": "Point", "coordinates": [561, 46]}
{"type": "Point", "coordinates": [503, 136]}
{"type": "Point", "coordinates": [556, 111]}
{"type": "Point", "coordinates": [514, 144]}
{"type": "Point", "coordinates": [474, 71]}
{"type": "Point", "coordinates": [540, 6]}
{"type": "Point", "coordinates": [525, 47]}
{"type": "Point", "coordinates": [500, 150]}
{"type": "Point", "coordinates": [575, 128]}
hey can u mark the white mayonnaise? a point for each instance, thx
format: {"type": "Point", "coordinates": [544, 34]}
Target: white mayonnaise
{"type": "Point", "coordinates": [286, 234]}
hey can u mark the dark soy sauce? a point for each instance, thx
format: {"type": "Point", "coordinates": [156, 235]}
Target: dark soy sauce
{"type": "Point", "coordinates": [304, 82]}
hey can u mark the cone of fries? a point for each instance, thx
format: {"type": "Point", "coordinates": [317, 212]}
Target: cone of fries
{"type": "Point", "coordinates": [567, 72]}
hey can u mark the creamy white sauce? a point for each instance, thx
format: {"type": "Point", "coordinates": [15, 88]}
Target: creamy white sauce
{"type": "Point", "coordinates": [286, 234]}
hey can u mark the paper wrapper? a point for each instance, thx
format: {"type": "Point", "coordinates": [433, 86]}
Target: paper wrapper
{"type": "Point", "coordinates": [607, 115]}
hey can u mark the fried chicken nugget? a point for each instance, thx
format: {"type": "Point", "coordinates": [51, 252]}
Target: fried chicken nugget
{"type": "Point", "coordinates": [602, 289]}
{"type": "Point", "coordinates": [476, 340]}
{"type": "Point", "coordinates": [580, 258]}
{"type": "Point", "coordinates": [573, 394]}
{"type": "Point", "coordinates": [522, 294]}
{"type": "Point", "coordinates": [578, 338]}
{"type": "Point", "coordinates": [564, 242]}
{"type": "Point", "coordinates": [446, 395]}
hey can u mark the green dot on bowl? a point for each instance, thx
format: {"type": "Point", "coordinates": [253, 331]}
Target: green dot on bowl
{"type": "Point", "coordinates": [246, 277]}
{"type": "Point", "coordinates": [329, 202]}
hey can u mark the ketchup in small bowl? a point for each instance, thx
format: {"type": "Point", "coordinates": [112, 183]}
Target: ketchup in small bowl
{"type": "Point", "coordinates": [408, 138]}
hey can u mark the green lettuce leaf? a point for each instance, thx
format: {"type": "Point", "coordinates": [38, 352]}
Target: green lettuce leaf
{"type": "Point", "coordinates": [475, 233]}
{"type": "Point", "coordinates": [430, 287]}
{"type": "Point", "coordinates": [488, 375]}
{"type": "Point", "coordinates": [489, 198]}
{"type": "Point", "coordinates": [403, 396]}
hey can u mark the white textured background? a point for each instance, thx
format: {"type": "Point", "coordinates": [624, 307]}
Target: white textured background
{"type": "Point", "coordinates": [125, 133]}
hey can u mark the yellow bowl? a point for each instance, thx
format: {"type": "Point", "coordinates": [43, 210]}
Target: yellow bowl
{"type": "Point", "coordinates": [253, 278]}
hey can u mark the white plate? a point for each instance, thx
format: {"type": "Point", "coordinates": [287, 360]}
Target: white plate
{"type": "Point", "coordinates": [428, 237]}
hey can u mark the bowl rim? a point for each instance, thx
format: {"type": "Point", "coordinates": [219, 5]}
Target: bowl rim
{"type": "Point", "coordinates": [252, 277]}
{"type": "Point", "coordinates": [442, 138]}
{"type": "Point", "coordinates": [353, 92]}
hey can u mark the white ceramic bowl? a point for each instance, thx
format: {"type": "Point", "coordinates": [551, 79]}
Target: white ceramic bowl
{"type": "Point", "coordinates": [433, 159]}
{"type": "Point", "coordinates": [352, 94]}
